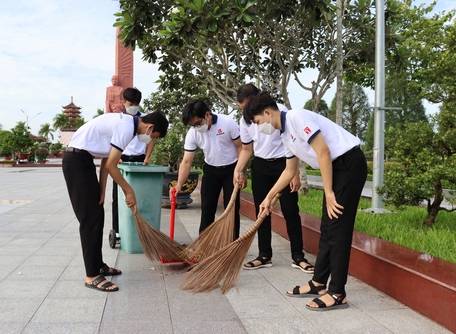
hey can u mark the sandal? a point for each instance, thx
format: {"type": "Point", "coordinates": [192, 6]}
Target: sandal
{"type": "Point", "coordinates": [338, 303]}
{"type": "Point", "coordinates": [313, 291]}
{"type": "Point", "coordinates": [306, 269]}
{"type": "Point", "coordinates": [97, 281]}
{"type": "Point", "coordinates": [107, 271]}
{"type": "Point", "coordinates": [265, 263]}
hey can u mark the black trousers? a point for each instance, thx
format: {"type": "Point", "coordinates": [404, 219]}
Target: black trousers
{"type": "Point", "coordinates": [213, 181]}
{"type": "Point", "coordinates": [84, 190]}
{"type": "Point", "coordinates": [264, 175]}
{"type": "Point", "coordinates": [115, 195]}
{"type": "Point", "coordinates": [349, 176]}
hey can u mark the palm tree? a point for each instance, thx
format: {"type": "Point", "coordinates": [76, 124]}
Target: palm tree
{"type": "Point", "coordinates": [61, 121]}
{"type": "Point", "coordinates": [99, 113]}
{"type": "Point", "coordinates": [79, 122]}
{"type": "Point", "coordinates": [46, 131]}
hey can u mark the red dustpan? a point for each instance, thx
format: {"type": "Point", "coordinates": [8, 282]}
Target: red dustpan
{"type": "Point", "coordinates": [172, 216]}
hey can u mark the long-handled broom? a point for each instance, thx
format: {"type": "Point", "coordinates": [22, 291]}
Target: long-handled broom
{"type": "Point", "coordinates": [216, 236]}
{"type": "Point", "coordinates": [156, 245]}
{"type": "Point", "coordinates": [223, 266]}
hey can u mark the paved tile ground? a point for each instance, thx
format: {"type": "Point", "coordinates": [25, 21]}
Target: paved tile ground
{"type": "Point", "coordinates": [42, 279]}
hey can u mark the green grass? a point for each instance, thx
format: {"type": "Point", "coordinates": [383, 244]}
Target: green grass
{"type": "Point", "coordinates": [403, 227]}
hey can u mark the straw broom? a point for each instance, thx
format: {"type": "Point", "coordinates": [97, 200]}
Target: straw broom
{"type": "Point", "coordinates": [223, 266]}
{"type": "Point", "coordinates": [216, 236]}
{"type": "Point", "coordinates": [157, 245]}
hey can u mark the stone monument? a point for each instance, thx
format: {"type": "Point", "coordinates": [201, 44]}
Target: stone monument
{"type": "Point", "coordinates": [114, 96]}
{"type": "Point", "coordinates": [124, 77]}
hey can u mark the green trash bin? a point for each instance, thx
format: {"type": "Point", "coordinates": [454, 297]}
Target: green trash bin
{"type": "Point", "coordinates": [147, 182]}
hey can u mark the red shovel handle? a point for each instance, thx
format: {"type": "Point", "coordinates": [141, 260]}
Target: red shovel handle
{"type": "Point", "coordinates": [172, 214]}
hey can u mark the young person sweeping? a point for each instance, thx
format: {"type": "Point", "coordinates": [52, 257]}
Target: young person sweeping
{"type": "Point", "coordinates": [267, 166]}
{"type": "Point", "coordinates": [326, 146]}
{"type": "Point", "coordinates": [105, 136]}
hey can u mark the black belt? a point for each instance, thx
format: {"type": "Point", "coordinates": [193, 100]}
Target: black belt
{"type": "Point", "coordinates": [272, 159]}
{"type": "Point", "coordinates": [221, 167]}
{"type": "Point", "coordinates": [77, 150]}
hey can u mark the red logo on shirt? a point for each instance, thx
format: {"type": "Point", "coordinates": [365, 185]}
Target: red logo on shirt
{"type": "Point", "coordinates": [292, 137]}
{"type": "Point", "coordinates": [307, 130]}
{"type": "Point", "coordinates": [219, 130]}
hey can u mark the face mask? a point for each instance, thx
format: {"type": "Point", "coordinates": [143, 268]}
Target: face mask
{"type": "Point", "coordinates": [266, 128]}
{"type": "Point", "coordinates": [132, 110]}
{"type": "Point", "coordinates": [201, 128]}
{"type": "Point", "coordinates": [145, 138]}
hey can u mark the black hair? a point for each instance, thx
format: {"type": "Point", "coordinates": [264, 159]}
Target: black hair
{"type": "Point", "coordinates": [257, 104]}
{"type": "Point", "coordinates": [245, 91]}
{"type": "Point", "coordinates": [194, 108]}
{"type": "Point", "coordinates": [158, 120]}
{"type": "Point", "coordinates": [132, 94]}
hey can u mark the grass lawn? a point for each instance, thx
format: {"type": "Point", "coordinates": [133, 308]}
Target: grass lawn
{"type": "Point", "coordinates": [403, 226]}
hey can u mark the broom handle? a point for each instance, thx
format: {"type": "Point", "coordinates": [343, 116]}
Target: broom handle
{"type": "Point", "coordinates": [172, 213]}
{"type": "Point", "coordinates": [258, 222]}
{"type": "Point", "coordinates": [230, 203]}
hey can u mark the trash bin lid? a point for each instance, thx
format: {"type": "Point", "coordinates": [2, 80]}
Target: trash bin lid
{"type": "Point", "coordinates": [139, 167]}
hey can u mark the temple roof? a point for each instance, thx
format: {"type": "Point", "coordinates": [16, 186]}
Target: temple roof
{"type": "Point", "coordinates": [71, 105]}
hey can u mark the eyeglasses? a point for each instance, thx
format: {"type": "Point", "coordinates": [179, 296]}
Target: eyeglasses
{"type": "Point", "coordinates": [197, 124]}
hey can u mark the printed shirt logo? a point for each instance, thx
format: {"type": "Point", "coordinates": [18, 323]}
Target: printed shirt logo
{"type": "Point", "coordinates": [292, 137]}
{"type": "Point", "coordinates": [220, 132]}
{"type": "Point", "coordinates": [307, 130]}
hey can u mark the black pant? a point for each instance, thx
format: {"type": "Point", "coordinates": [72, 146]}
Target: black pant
{"type": "Point", "coordinates": [84, 190]}
{"type": "Point", "coordinates": [264, 175]}
{"type": "Point", "coordinates": [349, 176]}
{"type": "Point", "coordinates": [115, 195]}
{"type": "Point", "coordinates": [215, 179]}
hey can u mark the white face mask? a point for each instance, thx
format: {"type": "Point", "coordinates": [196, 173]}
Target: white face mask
{"type": "Point", "coordinates": [132, 110]}
{"type": "Point", "coordinates": [266, 127]}
{"type": "Point", "coordinates": [201, 128]}
{"type": "Point", "coordinates": [145, 138]}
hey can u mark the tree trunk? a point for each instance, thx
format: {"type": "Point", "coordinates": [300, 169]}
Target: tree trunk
{"type": "Point", "coordinates": [304, 190]}
{"type": "Point", "coordinates": [434, 208]}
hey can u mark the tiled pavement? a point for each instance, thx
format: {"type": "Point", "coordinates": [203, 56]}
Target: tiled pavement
{"type": "Point", "coordinates": [42, 279]}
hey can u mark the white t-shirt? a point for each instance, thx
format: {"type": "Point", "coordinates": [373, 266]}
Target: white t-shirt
{"type": "Point", "coordinates": [136, 147]}
{"type": "Point", "coordinates": [300, 126]}
{"type": "Point", "coordinates": [103, 132]}
{"type": "Point", "coordinates": [264, 146]}
{"type": "Point", "coordinates": [217, 142]}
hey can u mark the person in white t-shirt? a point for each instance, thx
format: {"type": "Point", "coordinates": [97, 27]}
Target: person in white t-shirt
{"type": "Point", "coordinates": [326, 146]}
{"type": "Point", "coordinates": [136, 151]}
{"type": "Point", "coordinates": [105, 136]}
{"type": "Point", "coordinates": [267, 165]}
{"type": "Point", "coordinates": [218, 137]}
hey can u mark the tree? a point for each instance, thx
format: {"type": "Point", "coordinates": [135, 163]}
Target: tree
{"type": "Point", "coordinates": [226, 43]}
{"type": "Point", "coordinates": [322, 108]}
{"type": "Point", "coordinates": [61, 121]}
{"type": "Point", "coordinates": [427, 151]}
{"type": "Point", "coordinates": [46, 131]}
{"type": "Point", "coordinates": [99, 113]}
{"type": "Point", "coordinates": [399, 93]}
{"type": "Point", "coordinates": [21, 140]}
{"type": "Point", "coordinates": [6, 140]}
{"type": "Point", "coordinates": [355, 110]}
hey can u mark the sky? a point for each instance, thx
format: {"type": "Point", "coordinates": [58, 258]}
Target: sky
{"type": "Point", "coordinates": [53, 50]}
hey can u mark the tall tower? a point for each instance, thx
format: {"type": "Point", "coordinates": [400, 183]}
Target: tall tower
{"type": "Point", "coordinates": [72, 111]}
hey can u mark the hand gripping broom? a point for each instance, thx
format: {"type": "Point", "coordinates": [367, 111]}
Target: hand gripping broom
{"type": "Point", "coordinates": [216, 236]}
{"type": "Point", "coordinates": [223, 266]}
{"type": "Point", "coordinates": [156, 245]}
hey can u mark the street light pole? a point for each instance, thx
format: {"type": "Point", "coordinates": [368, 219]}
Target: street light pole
{"type": "Point", "coordinates": [27, 121]}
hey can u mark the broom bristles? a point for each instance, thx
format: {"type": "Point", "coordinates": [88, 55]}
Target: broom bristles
{"type": "Point", "coordinates": [156, 245]}
{"type": "Point", "coordinates": [223, 266]}
{"type": "Point", "coordinates": [216, 236]}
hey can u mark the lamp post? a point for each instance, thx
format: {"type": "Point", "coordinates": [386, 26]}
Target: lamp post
{"type": "Point", "coordinates": [27, 121]}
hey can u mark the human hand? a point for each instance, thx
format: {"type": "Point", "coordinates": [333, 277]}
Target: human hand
{"type": "Point", "coordinates": [332, 207]}
{"type": "Point", "coordinates": [130, 200]}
